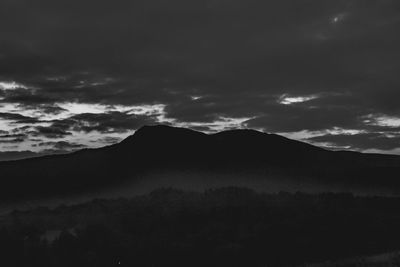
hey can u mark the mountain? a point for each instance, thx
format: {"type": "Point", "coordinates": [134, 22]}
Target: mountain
{"type": "Point", "coordinates": [157, 156]}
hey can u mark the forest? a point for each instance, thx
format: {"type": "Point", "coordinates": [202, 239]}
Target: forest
{"type": "Point", "coordinates": [228, 226]}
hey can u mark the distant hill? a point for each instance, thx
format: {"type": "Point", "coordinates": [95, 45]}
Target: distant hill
{"type": "Point", "coordinates": [167, 156]}
{"type": "Point", "coordinates": [16, 155]}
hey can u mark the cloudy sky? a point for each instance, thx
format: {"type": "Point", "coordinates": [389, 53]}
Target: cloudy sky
{"type": "Point", "coordinates": [87, 73]}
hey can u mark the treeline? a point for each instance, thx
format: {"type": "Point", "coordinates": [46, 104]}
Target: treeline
{"type": "Point", "coordinates": [220, 227]}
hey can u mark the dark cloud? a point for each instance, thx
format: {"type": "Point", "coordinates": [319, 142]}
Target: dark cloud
{"type": "Point", "coordinates": [61, 145]}
{"type": "Point", "coordinates": [22, 129]}
{"type": "Point", "coordinates": [238, 56]}
{"type": "Point", "coordinates": [48, 109]}
{"type": "Point", "coordinates": [50, 132]}
{"type": "Point", "coordinates": [293, 118]}
{"type": "Point", "coordinates": [18, 118]}
{"type": "Point", "coordinates": [26, 97]}
{"type": "Point", "coordinates": [6, 135]}
{"type": "Point", "coordinates": [12, 140]}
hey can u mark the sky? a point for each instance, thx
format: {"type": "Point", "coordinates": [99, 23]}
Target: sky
{"type": "Point", "coordinates": [88, 73]}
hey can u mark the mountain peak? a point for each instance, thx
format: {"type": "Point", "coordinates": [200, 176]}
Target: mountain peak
{"type": "Point", "coordinates": [160, 133]}
{"type": "Point", "coordinates": [161, 130]}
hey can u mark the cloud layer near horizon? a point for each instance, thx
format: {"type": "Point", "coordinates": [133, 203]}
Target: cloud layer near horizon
{"type": "Point", "coordinates": [88, 71]}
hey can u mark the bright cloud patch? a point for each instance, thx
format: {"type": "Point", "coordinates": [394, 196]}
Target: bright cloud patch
{"type": "Point", "coordinates": [306, 135]}
{"type": "Point", "coordinates": [382, 120]}
{"type": "Point", "coordinates": [11, 85]}
{"type": "Point", "coordinates": [338, 18]}
{"type": "Point", "coordinates": [195, 97]}
{"type": "Point", "coordinates": [285, 99]}
{"type": "Point", "coordinates": [223, 123]}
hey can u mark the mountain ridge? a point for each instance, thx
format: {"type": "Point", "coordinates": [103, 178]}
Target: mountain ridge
{"type": "Point", "coordinates": [162, 150]}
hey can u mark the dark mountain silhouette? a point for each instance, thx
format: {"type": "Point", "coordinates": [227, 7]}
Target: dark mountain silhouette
{"type": "Point", "coordinates": [237, 156]}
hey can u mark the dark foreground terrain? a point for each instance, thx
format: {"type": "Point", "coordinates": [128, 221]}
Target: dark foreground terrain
{"type": "Point", "coordinates": [221, 227]}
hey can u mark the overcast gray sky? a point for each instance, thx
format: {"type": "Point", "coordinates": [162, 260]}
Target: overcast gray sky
{"type": "Point", "coordinates": [88, 73]}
